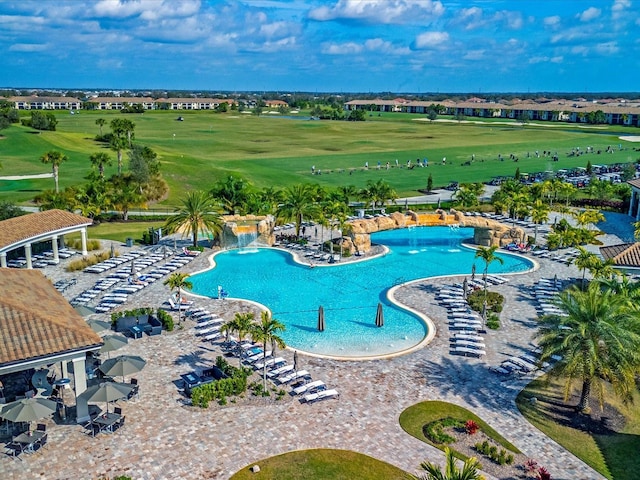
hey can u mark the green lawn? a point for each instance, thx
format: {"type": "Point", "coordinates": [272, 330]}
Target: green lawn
{"type": "Point", "coordinates": [267, 150]}
{"type": "Point", "coordinates": [118, 231]}
{"type": "Point", "coordinates": [417, 416]}
{"type": "Point", "coordinates": [614, 455]}
{"type": "Point", "coordinates": [322, 464]}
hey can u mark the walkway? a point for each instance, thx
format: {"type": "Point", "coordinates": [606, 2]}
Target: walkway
{"type": "Point", "coordinates": [164, 438]}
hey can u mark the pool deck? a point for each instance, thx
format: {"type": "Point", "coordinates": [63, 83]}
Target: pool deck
{"type": "Point", "coordinates": [164, 438]}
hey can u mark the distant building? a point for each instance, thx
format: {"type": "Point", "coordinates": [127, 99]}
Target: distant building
{"type": "Point", "coordinates": [118, 103]}
{"type": "Point", "coordinates": [34, 102]}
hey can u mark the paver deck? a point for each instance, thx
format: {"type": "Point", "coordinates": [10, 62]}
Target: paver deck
{"type": "Point", "coordinates": [164, 438]}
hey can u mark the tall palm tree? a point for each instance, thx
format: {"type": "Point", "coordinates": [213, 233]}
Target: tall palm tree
{"type": "Point", "coordinates": [196, 214]}
{"type": "Point", "coordinates": [55, 158]}
{"type": "Point", "coordinates": [122, 133]}
{"type": "Point", "coordinates": [488, 255]}
{"type": "Point", "coordinates": [588, 216]}
{"type": "Point", "coordinates": [469, 471]}
{"type": "Point", "coordinates": [178, 281]}
{"type": "Point", "coordinates": [298, 203]}
{"type": "Point", "coordinates": [100, 160]}
{"type": "Point", "coordinates": [597, 340]}
{"type": "Point", "coordinates": [266, 332]}
{"type": "Point", "coordinates": [101, 122]}
{"type": "Point", "coordinates": [584, 261]}
{"type": "Point", "coordinates": [539, 215]}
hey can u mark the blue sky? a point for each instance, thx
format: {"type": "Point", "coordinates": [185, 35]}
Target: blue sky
{"type": "Point", "coordinates": [323, 45]}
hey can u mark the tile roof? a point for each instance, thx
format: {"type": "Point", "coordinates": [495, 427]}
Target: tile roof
{"type": "Point", "coordinates": [624, 254]}
{"type": "Point", "coordinates": [26, 226]}
{"type": "Point", "coordinates": [634, 183]}
{"type": "Point", "coordinates": [36, 320]}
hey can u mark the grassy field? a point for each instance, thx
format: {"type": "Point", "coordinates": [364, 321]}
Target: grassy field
{"type": "Point", "coordinates": [322, 464]}
{"type": "Point", "coordinates": [267, 150]}
{"type": "Point", "coordinates": [614, 455]}
{"type": "Point", "coordinates": [414, 418]}
{"type": "Point", "coordinates": [118, 231]}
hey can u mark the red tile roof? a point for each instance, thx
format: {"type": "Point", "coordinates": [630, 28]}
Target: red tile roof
{"type": "Point", "coordinates": [623, 255]}
{"type": "Point", "coordinates": [24, 227]}
{"type": "Point", "coordinates": [36, 320]}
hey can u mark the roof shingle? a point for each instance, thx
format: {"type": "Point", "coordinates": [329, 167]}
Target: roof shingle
{"type": "Point", "coordinates": [36, 320]}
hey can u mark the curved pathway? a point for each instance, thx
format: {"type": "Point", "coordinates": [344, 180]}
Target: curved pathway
{"type": "Point", "coordinates": [164, 438]}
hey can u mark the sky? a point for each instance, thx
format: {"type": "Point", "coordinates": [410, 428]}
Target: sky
{"type": "Point", "coordinates": [412, 46]}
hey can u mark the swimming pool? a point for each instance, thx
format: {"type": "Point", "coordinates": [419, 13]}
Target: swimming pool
{"type": "Point", "coordinates": [349, 293]}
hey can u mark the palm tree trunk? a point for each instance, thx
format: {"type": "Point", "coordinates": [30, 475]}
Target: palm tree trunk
{"type": "Point", "coordinates": [179, 306]}
{"type": "Point", "coordinates": [583, 405]}
{"type": "Point", "coordinates": [55, 177]}
{"type": "Point", "coordinates": [119, 161]}
{"type": "Point", "coordinates": [264, 366]}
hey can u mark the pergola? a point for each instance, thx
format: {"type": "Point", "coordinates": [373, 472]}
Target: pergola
{"type": "Point", "coordinates": [32, 228]}
{"type": "Point", "coordinates": [39, 328]}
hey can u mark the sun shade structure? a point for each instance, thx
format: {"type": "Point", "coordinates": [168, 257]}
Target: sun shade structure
{"type": "Point", "coordinates": [28, 229]}
{"type": "Point", "coordinates": [28, 409]}
{"type": "Point", "coordinates": [122, 366]}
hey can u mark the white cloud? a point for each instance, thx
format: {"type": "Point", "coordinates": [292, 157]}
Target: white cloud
{"type": "Point", "coordinates": [580, 50]}
{"type": "Point", "coordinates": [589, 14]}
{"type": "Point", "coordinates": [552, 21]}
{"type": "Point", "coordinates": [431, 39]}
{"type": "Point", "coordinates": [619, 7]}
{"type": "Point", "coordinates": [513, 20]}
{"type": "Point", "coordinates": [349, 48]}
{"type": "Point", "coordinates": [382, 46]}
{"type": "Point", "coordinates": [379, 11]}
{"type": "Point", "coordinates": [119, 8]}
{"type": "Point", "coordinates": [472, 18]}
{"type": "Point", "coordinates": [607, 48]}
{"type": "Point", "coordinates": [28, 47]}
{"type": "Point", "coordinates": [474, 55]}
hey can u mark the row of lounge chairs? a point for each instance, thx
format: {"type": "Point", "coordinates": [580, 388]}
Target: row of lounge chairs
{"type": "Point", "coordinates": [464, 324]}
{"type": "Point", "coordinates": [41, 260]}
{"type": "Point", "coordinates": [562, 256]}
{"type": "Point", "coordinates": [545, 292]}
{"type": "Point", "coordinates": [520, 365]}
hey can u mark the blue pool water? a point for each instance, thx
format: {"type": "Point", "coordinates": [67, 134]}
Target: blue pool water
{"type": "Point", "coordinates": [350, 292]}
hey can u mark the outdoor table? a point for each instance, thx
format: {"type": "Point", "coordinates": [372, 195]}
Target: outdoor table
{"type": "Point", "coordinates": [106, 421]}
{"type": "Point", "coordinates": [191, 379]}
{"type": "Point", "coordinates": [136, 331]}
{"type": "Point", "coordinates": [28, 441]}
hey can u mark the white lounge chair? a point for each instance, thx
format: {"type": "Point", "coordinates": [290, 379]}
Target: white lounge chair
{"type": "Point", "coordinates": [293, 376]}
{"type": "Point", "coordinates": [469, 343]}
{"type": "Point", "coordinates": [469, 351]}
{"type": "Point", "coordinates": [321, 395]}
{"type": "Point", "coordinates": [308, 387]}
{"type": "Point", "coordinates": [268, 362]}
{"type": "Point", "coordinates": [286, 369]}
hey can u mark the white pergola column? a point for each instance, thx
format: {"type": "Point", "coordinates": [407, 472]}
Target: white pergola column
{"type": "Point", "coordinates": [27, 254]}
{"type": "Point", "coordinates": [83, 235]}
{"type": "Point", "coordinates": [54, 247]}
{"type": "Point", "coordinates": [79, 386]}
{"type": "Point", "coordinates": [3, 260]}
{"type": "Point", "coordinates": [632, 201]}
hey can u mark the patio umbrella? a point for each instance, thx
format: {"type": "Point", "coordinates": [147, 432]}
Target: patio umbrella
{"type": "Point", "coordinates": [99, 325]}
{"type": "Point", "coordinates": [555, 281]}
{"type": "Point", "coordinates": [133, 267]}
{"type": "Point", "coordinates": [113, 251]}
{"type": "Point", "coordinates": [164, 251]}
{"type": "Point", "coordinates": [84, 311]}
{"type": "Point", "coordinates": [465, 287]}
{"type": "Point", "coordinates": [295, 360]}
{"type": "Point", "coordinates": [321, 319]}
{"type": "Point", "coordinates": [122, 366]}
{"type": "Point", "coordinates": [473, 272]}
{"type": "Point", "coordinates": [28, 409]}
{"type": "Point", "coordinates": [438, 202]}
{"type": "Point", "coordinates": [379, 316]}
{"type": "Point", "coordinates": [106, 392]}
{"type": "Point", "coordinates": [113, 342]}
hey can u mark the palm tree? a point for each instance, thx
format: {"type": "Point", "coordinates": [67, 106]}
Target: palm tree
{"type": "Point", "coordinates": [101, 123]}
{"type": "Point", "coordinates": [55, 158]}
{"type": "Point", "coordinates": [266, 332]}
{"type": "Point", "coordinates": [603, 269]}
{"type": "Point", "coordinates": [242, 324]}
{"type": "Point", "coordinates": [596, 340]}
{"type": "Point", "coordinates": [488, 255]}
{"type": "Point", "coordinates": [178, 281]}
{"type": "Point", "coordinates": [100, 160]}
{"type": "Point", "coordinates": [470, 469]}
{"type": "Point", "coordinates": [539, 215]}
{"type": "Point", "coordinates": [196, 214]}
{"type": "Point", "coordinates": [121, 136]}
{"type": "Point", "coordinates": [584, 260]}
{"type": "Point", "coordinates": [298, 203]}
{"type": "Point", "coordinates": [588, 216]}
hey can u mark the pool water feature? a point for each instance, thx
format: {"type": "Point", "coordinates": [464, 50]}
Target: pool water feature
{"type": "Point", "coordinates": [350, 292]}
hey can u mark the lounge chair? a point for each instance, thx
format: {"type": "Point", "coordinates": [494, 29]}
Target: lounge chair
{"type": "Point", "coordinates": [308, 387]}
{"type": "Point", "coordinates": [268, 362]}
{"type": "Point", "coordinates": [321, 395]}
{"type": "Point", "coordinates": [293, 376]}
{"type": "Point", "coordinates": [286, 369]}
{"type": "Point", "coordinates": [469, 351]}
{"type": "Point", "coordinates": [469, 343]}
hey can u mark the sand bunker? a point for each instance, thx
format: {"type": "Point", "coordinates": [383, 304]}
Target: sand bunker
{"type": "Point", "coordinates": [630, 138]}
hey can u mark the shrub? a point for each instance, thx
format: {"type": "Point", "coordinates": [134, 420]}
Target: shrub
{"type": "Point", "coordinates": [494, 301]}
{"type": "Point", "coordinates": [530, 465]}
{"type": "Point", "coordinates": [543, 474]}
{"type": "Point", "coordinates": [471, 427]}
{"type": "Point", "coordinates": [433, 430]}
{"type": "Point", "coordinates": [92, 244]}
{"type": "Point", "coordinates": [82, 263]}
